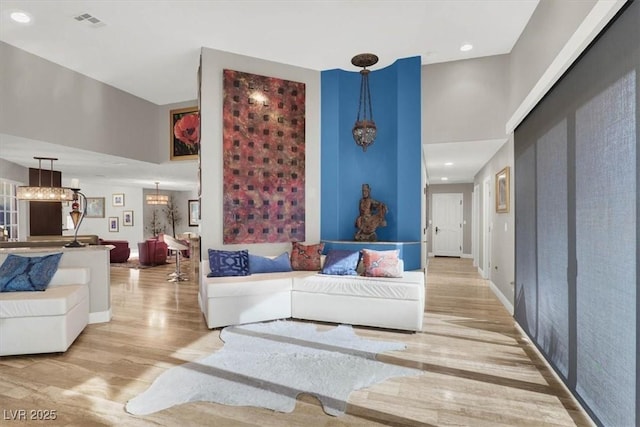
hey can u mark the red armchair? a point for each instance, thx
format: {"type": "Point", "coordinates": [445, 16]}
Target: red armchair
{"type": "Point", "coordinates": [120, 252]}
{"type": "Point", "coordinates": [152, 252]}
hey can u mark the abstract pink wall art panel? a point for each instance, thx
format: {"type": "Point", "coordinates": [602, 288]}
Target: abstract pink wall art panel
{"type": "Point", "coordinates": [263, 158]}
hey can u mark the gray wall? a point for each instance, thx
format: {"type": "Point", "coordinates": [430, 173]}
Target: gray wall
{"type": "Point", "coordinates": [501, 269]}
{"type": "Point", "coordinates": [100, 226]}
{"type": "Point", "coordinates": [12, 172]}
{"type": "Point", "coordinates": [551, 25]}
{"type": "Point", "coordinates": [464, 100]}
{"type": "Point", "coordinates": [466, 190]}
{"type": "Point", "coordinates": [43, 101]}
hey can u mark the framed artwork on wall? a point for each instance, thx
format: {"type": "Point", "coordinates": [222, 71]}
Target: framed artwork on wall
{"type": "Point", "coordinates": [194, 213]}
{"type": "Point", "coordinates": [95, 207]}
{"type": "Point", "coordinates": [113, 224]}
{"type": "Point", "coordinates": [502, 191]}
{"type": "Point", "coordinates": [184, 133]}
{"type": "Point", "coordinates": [127, 218]}
{"type": "Point", "coordinates": [263, 159]}
{"type": "Point", "coordinates": [118, 199]}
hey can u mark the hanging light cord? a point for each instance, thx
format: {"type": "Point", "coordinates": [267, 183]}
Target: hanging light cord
{"type": "Point", "coordinates": [51, 173]}
{"type": "Point", "coordinates": [40, 171]}
{"type": "Point", "coordinates": [40, 159]}
{"type": "Point", "coordinates": [365, 96]}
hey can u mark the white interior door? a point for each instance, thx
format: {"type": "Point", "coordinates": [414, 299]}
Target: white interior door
{"type": "Point", "coordinates": [447, 224]}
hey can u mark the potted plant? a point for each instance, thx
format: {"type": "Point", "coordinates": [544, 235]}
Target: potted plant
{"type": "Point", "coordinates": [155, 224]}
{"type": "Point", "coordinates": [172, 214]}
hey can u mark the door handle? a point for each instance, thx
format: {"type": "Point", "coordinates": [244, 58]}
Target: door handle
{"type": "Point", "coordinates": [436, 229]}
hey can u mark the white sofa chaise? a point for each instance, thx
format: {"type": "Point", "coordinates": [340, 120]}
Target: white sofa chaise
{"type": "Point", "coordinates": [395, 303]}
{"type": "Point", "coordinates": [45, 321]}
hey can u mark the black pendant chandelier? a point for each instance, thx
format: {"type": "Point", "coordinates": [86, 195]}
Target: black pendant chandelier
{"type": "Point", "coordinates": [364, 130]}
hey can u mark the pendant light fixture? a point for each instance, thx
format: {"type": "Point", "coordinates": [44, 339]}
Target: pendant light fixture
{"type": "Point", "coordinates": [57, 194]}
{"type": "Point", "coordinates": [364, 130]}
{"type": "Point", "coordinates": [157, 199]}
{"type": "Point", "coordinates": [45, 193]}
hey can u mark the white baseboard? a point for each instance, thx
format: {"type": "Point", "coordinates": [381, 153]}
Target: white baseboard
{"type": "Point", "coordinates": [480, 272]}
{"type": "Point", "coordinates": [100, 316]}
{"type": "Point", "coordinates": [507, 304]}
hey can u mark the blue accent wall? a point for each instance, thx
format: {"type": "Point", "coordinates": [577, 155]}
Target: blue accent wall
{"type": "Point", "coordinates": [391, 166]}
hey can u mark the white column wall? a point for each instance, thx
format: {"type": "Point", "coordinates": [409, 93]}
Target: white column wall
{"type": "Point", "coordinates": [213, 64]}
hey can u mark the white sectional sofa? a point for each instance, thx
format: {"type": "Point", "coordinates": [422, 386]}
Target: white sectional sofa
{"type": "Point", "coordinates": [45, 321]}
{"type": "Point", "coordinates": [394, 303]}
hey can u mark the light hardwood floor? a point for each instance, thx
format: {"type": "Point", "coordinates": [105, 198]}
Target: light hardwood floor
{"type": "Point", "coordinates": [477, 368]}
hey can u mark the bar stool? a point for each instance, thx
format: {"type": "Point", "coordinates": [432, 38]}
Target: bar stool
{"type": "Point", "coordinates": [176, 246]}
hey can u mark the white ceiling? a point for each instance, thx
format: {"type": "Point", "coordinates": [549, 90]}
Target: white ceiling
{"type": "Point", "coordinates": [466, 157]}
{"type": "Point", "coordinates": [140, 45]}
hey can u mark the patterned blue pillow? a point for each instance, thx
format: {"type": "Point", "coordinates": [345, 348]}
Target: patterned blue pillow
{"type": "Point", "coordinates": [21, 273]}
{"type": "Point", "coordinates": [341, 263]}
{"type": "Point", "coordinates": [261, 264]}
{"type": "Point", "coordinates": [228, 263]}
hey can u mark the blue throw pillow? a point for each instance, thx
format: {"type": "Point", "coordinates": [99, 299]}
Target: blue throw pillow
{"type": "Point", "coordinates": [21, 273]}
{"type": "Point", "coordinates": [341, 263]}
{"type": "Point", "coordinates": [228, 263]}
{"type": "Point", "coordinates": [261, 264]}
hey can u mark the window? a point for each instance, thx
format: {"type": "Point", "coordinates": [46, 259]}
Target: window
{"type": "Point", "coordinates": [8, 211]}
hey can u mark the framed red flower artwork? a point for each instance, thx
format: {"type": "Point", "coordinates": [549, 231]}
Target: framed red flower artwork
{"type": "Point", "coordinates": [184, 133]}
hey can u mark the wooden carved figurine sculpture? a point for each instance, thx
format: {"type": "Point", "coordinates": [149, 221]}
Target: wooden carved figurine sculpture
{"type": "Point", "coordinates": [372, 214]}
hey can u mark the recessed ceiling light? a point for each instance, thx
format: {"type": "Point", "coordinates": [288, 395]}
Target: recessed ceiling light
{"type": "Point", "coordinates": [449, 164]}
{"type": "Point", "coordinates": [444, 178]}
{"type": "Point", "coordinates": [21, 17]}
{"type": "Point", "coordinates": [466, 47]}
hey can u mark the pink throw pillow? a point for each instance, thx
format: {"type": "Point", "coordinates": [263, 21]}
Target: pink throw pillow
{"type": "Point", "coordinates": [381, 263]}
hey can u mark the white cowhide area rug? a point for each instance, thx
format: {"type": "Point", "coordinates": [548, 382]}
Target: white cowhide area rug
{"type": "Point", "coordinates": [269, 364]}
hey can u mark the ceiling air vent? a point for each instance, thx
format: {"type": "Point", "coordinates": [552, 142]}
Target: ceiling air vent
{"type": "Point", "coordinates": [95, 22]}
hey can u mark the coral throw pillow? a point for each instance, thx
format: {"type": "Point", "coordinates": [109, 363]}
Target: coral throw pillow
{"type": "Point", "coordinates": [306, 257]}
{"type": "Point", "coordinates": [228, 263]}
{"type": "Point", "coordinates": [381, 263]}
